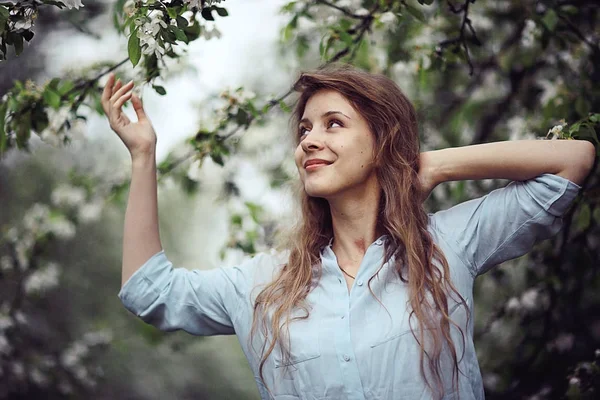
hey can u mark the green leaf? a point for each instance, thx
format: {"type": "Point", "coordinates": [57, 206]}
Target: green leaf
{"type": "Point", "coordinates": [179, 34]}
{"type": "Point", "coordinates": [28, 35]}
{"type": "Point", "coordinates": [346, 38]}
{"type": "Point", "coordinates": [172, 12]}
{"type": "Point", "coordinates": [415, 12]}
{"type": "Point", "coordinates": [52, 98]}
{"type": "Point", "coordinates": [595, 118]}
{"type": "Point", "coordinates": [3, 137]}
{"type": "Point", "coordinates": [206, 14]}
{"type": "Point", "coordinates": [584, 217]}
{"type": "Point", "coordinates": [65, 87]}
{"type": "Point", "coordinates": [159, 89]}
{"type": "Point", "coordinates": [284, 106]}
{"type": "Point", "coordinates": [18, 43]}
{"type": "Point", "coordinates": [289, 29]}
{"type": "Point", "coordinates": [221, 11]}
{"type": "Point", "coordinates": [550, 19]}
{"type": "Point", "coordinates": [181, 22]}
{"type": "Point", "coordinates": [4, 14]}
{"type": "Point", "coordinates": [134, 49]}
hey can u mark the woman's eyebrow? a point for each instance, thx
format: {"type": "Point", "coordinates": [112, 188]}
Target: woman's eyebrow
{"type": "Point", "coordinates": [325, 115]}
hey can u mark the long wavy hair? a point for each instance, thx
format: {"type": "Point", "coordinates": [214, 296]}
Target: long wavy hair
{"type": "Point", "coordinates": [392, 119]}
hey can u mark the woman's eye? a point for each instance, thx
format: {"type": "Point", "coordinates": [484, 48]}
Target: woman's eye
{"type": "Point", "coordinates": [302, 130]}
{"type": "Point", "coordinates": [336, 121]}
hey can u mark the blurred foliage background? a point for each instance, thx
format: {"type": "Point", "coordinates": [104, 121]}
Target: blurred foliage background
{"type": "Point", "coordinates": [477, 71]}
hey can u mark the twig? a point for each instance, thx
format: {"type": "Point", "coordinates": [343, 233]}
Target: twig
{"type": "Point", "coordinates": [462, 38]}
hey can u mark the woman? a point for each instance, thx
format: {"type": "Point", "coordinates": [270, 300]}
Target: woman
{"type": "Point", "coordinates": [372, 298]}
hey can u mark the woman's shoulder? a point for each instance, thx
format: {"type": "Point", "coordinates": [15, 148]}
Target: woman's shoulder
{"type": "Point", "coordinates": [261, 267]}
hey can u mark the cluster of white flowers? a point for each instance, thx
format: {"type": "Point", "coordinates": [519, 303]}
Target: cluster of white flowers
{"type": "Point", "coordinates": [72, 3]}
{"type": "Point", "coordinates": [72, 358]}
{"type": "Point", "coordinates": [208, 34]}
{"type": "Point", "coordinates": [531, 300]}
{"type": "Point", "coordinates": [42, 279]}
{"type": "Point", "coordinates": [66, 195]}
{"type": "Point", "coordinates": [233, 99]}
{"type": "Point", "coordinates": [149, 28]}
{"type": "Point", "coordinates": [562, 343]}
{"type": "Point", "coordinates": [22, 19]}
{"type": "Point", "coordinates": [530, 32]}
{"type": "Point", "coordinates": [56, 131]}
{"type": "Point", "coordinates": [556, 131]}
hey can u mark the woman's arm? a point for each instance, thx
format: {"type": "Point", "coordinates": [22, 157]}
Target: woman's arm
{"type": "Point", "coordinates": [515, 160]}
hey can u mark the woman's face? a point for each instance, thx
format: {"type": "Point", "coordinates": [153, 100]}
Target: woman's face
{"type": "Point", "coordinates": [332, 131]}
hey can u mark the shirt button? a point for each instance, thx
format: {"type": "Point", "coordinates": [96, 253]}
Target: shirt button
{"type": "Point", "coordinates": [343, 316]}
{"type": "Point", "coordinates": [359, 283]}
{"type": "Point", "coordinates": [346, 358]}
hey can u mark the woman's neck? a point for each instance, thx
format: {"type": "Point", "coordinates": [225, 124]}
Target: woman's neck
{"type": "Point", "coordinates": [355, 224]}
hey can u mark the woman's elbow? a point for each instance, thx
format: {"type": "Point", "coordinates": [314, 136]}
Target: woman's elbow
{"type": "Point", "coordinates": [581, 165]}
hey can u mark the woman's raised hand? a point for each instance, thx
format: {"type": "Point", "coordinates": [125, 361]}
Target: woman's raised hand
{"type": "Point", "coordinates": [139, 137]}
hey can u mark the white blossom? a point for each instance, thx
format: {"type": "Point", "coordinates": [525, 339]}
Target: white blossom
{"type": "Point", "coordinates": [25, 20]}
{"type": "Point", "coordinates": [73, 354]}
{"type": "Point", "coordinates": [193, 3]}
{"type": "Point", "coordinates": [38, 376]}
{"type": "Point", "coordinates": [209, 34]}
{"type": "Point", "coordinates": [530, 299]}
{"type": "Point", "coordinates": [129, 8]}
{"type": "Point", "coordinates": [574, 381]}
{"type": "Point", "coordinates": [388, 17]}
{"type": "Point", "coordinates": [148, 31]}
{"type": "Point", "coordinates": [513, 304]}
{"type": "Point", "coordinates": [54, 133]}
{"type": "Point", "coordinates": [5, 346]}
{"type": "Point", "coordinates": [98, 337]}
{"type": "Point", "coordinates": [562, 343]}
{"type": "Point", "coordinates": [43, 279]}
{"type": "Point", "coordinates": [491, 381]}
{"type": "Point", "coordinates": [35, 217]}
{"type": "Point", "coordinates": [5, 322]}
{"type": "Point", "coordinates": [72, 3]}
{"type": "Point", "coordinates": [529, 33]}
{"type": "Point", "coordinates": [361, 12]}
{"type": "Point", "coordinates": [6, 263]}
{"type": "Point", "coordinates": [556, 131]}
{"type": "Point", "coordinates": [18, 369]}
{"type": "Point", "coordinates": [61, 227]}
{"type": "Point", "coordinates": [68, 195]}
{"type": "Point", "coordinates": [20, 317]}
{"type": "Point", "coordinates": [90, 212]}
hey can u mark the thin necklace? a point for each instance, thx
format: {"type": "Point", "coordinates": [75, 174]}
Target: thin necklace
{"type": "Point", "coordinates": [344, 271]}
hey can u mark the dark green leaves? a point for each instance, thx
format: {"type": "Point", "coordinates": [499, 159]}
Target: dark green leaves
{"type": "Point", "coordinates": [134, 49]}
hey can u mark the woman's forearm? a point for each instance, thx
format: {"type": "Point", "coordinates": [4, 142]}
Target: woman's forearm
{"type": "Point", "coordinates": [141, 239]}
{"type": "Point", "coordinates": [514, 160]}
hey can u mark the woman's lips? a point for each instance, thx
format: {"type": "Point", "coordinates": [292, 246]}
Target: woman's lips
{"type": "Point", "coordinates": [315, 166]}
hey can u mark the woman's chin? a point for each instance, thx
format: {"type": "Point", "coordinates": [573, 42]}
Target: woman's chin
{"type": "Point", "coordinates": [317, 191]}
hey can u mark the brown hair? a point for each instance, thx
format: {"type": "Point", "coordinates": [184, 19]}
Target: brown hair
{"type": "Point", "coordinates": [392, 119]}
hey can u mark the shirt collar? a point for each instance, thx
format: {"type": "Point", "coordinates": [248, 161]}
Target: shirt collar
{"type": "Point", "coordinates": [371, 261]}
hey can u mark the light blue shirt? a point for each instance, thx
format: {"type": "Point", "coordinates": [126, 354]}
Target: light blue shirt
{"type": "Point", "coordinates": [351, 347]}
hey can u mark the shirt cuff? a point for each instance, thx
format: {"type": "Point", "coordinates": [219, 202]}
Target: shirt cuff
{"type": "Point", "coordinates": [554, 193]}
{"type": "Point", "coordinates": [139, 291]}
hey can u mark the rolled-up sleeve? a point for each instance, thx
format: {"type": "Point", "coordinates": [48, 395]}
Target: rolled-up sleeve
{"type": "Point", "coordinates": [201, 302]}
{"type": "Point", "coordinates": [507, 222]}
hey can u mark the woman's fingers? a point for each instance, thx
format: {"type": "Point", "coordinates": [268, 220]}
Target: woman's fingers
{"type": "Point", "coordinates": [117, 104]}
{"type": "Point", "coordinates": [138, 107]}
{"type": "Point", "coordinates": [117, 95]}
{"type": "Point", "coordinates": [107, 93]}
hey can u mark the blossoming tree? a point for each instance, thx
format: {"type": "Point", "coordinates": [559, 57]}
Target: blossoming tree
{"type": "Point", "coordinates": [477, 71]}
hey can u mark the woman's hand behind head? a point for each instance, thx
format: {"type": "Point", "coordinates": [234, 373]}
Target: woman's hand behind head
{"type": "Point", "coordinates": [139, 137]}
